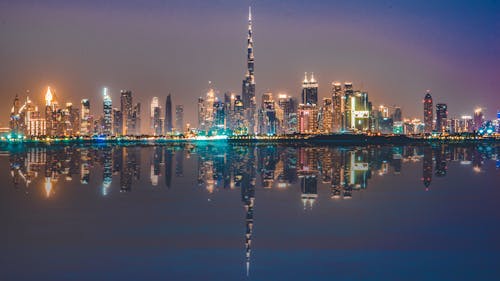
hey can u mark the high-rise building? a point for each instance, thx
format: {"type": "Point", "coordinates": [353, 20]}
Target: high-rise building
{"type": "Point", "coordinates": [308, 119]}
{"type": "Point", "coordinates": [168, 115]}
{"type": "Point", "coordinates": [338, 106]}
{"type": "Point", "coordinates": [428, 113]}
{"type": "Point", "coordinates": [86, 118]}
{"type": "Point", "coordinates": [156, 124]}
{"type": "Point", "coordinates": [49, 113]}
{"type": "Point", "coordinates": [326, 116]}
{"type": "Point", "coordinates": [154, 104]}
{"type": "Point", "coordinates": [287, 106]}
{"type": "Point", "coordinates": [179, 118]}
{"type": "Point", "coordinates": [117, 122]}
{"type": "Point", "coordinates": [248, 85]}
{"type": "Point", "coordinates": [135, 124]}
{"type": "Point", "coordinates": [126, 110]}
{"type": "Point", "coordinates": [310, 90]}
{"type": "Point", "coordinates": [357, 110]}
{"type": "Point", "coordinates": [108, 111]}
{"type": "Point", "coordinates": [269, 122]}
{"type": "Point", "coordinates": [441, 117]}
{"type": "Point", "coordinates": [397, 116]}
{"type": "Point", "coordinates": [478, 119]}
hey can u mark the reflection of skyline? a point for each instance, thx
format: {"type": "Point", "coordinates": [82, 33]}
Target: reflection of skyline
{"type": "Point", "coordinates": [241, 167]}
{"type": "Point", "coordinates": [344, 171]}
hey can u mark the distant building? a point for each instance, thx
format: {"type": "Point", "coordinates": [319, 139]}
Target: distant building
{"type": "Point", "coordinates": [179, 118]}
{"type": "Point", "coordinates": [428, 113]}
{"type": "Point", "coordinates": [478, 119]}
{"type": "Point", "coordinates": [338, 106]}
{"type": "Point", "coordinates": [310, 90]}
{"type": "Point", "coordinates": [126, 110]}
{"type": "Point", "coordinates": [107, 113]}
{"type": "Point", "coordinates": [326, 116]}
{"type": "Point", "coordinates": [308, 119]}
{"type": "Point", "coordinates": [168, 115]}
{"type": "Point", "coordinates": [86, 118]}
{"type": "Point", "coordinates": [441, 117]}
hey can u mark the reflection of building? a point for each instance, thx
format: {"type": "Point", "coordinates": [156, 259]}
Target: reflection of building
{"type": "Point", "coordinates": [427, 167]}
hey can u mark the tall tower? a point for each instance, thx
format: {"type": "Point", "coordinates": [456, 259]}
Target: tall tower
{"type": "Point", "coordinates": [338, 110]}
{"type": "Point", "coordinates": [107, 110]}
{"type": "Point", "coordinates": [49, 113]}
{"type": "Point", "coordinates": [441, 117]}
{"type": "Point", "coordinates": [248, 87]}
{"type": "Point", "coordinates": [309, 90]}
{"type": "Point", "coordinates": [168, 115]}
{"type": "Point", "coordinates": [179, 118]}
{"type": "Point", "coordinates": [126, 110]}
{"type": "Point", "coordinates": [428, 115]}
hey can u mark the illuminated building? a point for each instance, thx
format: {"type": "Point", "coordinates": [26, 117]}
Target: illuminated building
{"type": "Point", "coordinates": [326, 117]}
{"type": "Point", "coordinates": [478, 119]}
{"type": "Point", "coordinates": [308, 119]}
{"type": "Point", "coordinates": [466, 124]}
{"type": "Point", "coordinates": [136, 119]}
{"type": "Point", "coordinates": [85, 119]}
{"type": "Point", "coordinates": [428, 113]}
{"type": "Point", "coordinates": [117, 122]}
{"type": "Point", "coordinates": [49, 113]}
{"type": "Point", "coordinates": [156, 122]}
{"type": "Point", "coordinates": [397, 116]}
{"type": "Point", "coordinates": [309, 90]}
{"type": "Point", "coordinates": [268, 121]}
{"type": "Point", "coordinates": [338, 106]}
{"type": "Point", "coordinates": [168, 115]}
{"type": "Point", "coordinates": [239, 123]}
{"type": "Point", "coordinates": [288, 117]}
{"type": "Point", "coordinates": [15, 118]}
{"type": "Point", "coordinates": [441, 117]}
{"type": "Point", "coordinates": [357, 110]}
{"type": "Point", "coordinates": [248, 85]}
{"type": "Point", "coordinates": [179, 118]}
{"type": "Point", "coordinates": [126, 111]}
{"type": "Point", "coordinates": [108, 113]}
{"type": "Point", "coordinates": [219, 119]}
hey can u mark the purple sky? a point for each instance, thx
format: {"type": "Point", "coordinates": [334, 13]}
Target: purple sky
{"type": "Point", "coordinates": [395, 50]}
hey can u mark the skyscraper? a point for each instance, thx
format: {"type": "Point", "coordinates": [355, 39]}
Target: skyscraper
{"type": "Point", "coordinates": [49, 113]}
{"type": "Point", "coordinates": [126, 110]}
{"type": "Point", "coordinates": [179, 118]}
{"type": "Point", "coordinates": [441, 117]}
{"type": "Point", "coordinates": [338, 109]}
{"type": "Point", "coordinates": [478, 119]}
{"type": "Point", "coordinates": [326, 116]}
{"type": "Point", "coordinates": [168, 115]}
{"type": "Point", "coordinates": [107, 110]}
{"type": "Point", "coordinates": [156, 124]}
{"type": "Point", "coordinates": [310, 90]}
{"type": "Point", "coordinates": [86, 119]}
{"type": "Point", "coordinates": [248, 87]}
{"type": "Point", "coordinates": [428, 113]}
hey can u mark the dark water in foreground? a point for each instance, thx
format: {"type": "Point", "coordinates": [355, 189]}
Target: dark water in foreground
{"type": "Point", "coordinates": [222, 212]}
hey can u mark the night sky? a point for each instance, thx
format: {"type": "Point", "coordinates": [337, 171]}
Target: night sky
{"type": "Point", "coordinates": [395, 50]}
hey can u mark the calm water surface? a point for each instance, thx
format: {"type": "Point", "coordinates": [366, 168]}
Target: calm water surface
{"type": "Point", "coordinates": [226, 212]}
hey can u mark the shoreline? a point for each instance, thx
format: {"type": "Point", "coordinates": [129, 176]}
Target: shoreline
{"type": "Point", "coordinates": [338, 139]}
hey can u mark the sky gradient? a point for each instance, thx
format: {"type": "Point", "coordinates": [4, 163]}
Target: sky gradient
{"type": "Point", "coordinates": [395, 50]}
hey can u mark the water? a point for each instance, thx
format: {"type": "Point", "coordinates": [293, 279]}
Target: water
{"type": "Point", "coordinates": [222, 212]}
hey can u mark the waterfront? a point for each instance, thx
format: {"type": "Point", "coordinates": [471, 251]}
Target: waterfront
{"type": "Point", "coordinates": [217, 211]}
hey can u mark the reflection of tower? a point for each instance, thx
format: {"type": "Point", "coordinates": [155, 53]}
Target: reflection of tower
{"type": "Point", "coordinates": [427, 167]}
{"type": "Point", "coordinates": [179, 163]}
{"type": "Point", "coordinates": [155, 166]}
{"type": "Point", "coordinates": [308, 163]}
{"type": "Point", "coordinates": [248, 198]}
{"type": "Point", "coordinates": [130, 168]}
{"type": "Point", "coordinates": [440, 162]}
{"type": "Point", "coordinates": [338, 173]}
{"type": "Point", "coordinates": [85, 166]}
{"type": "Point", "coordinates": [168, 168]}
{"type": "Point", "coordinates": [107, 173]}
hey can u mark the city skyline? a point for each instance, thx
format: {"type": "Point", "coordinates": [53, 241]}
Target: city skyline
{"type": "Point", "coordinates": [227, 43]}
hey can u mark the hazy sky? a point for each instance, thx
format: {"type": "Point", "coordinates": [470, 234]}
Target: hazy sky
{"type": "Point", "coordinates": [395, 50]}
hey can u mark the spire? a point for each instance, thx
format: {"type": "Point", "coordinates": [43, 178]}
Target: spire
{"type": "Point", "coordinates": [312, 78]}
{"type": "Point", "coordinates": [48, 97]}
{"type": "Point", "coordinates": [305, 78]}
{"type": "Point", "coordinates": [250, 13]}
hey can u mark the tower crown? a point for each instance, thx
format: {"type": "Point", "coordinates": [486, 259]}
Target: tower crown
{"type": "Point", "coordinates": [48, 97]}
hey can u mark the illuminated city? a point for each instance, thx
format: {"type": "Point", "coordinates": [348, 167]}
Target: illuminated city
{"type": "Point", "coordinates": [250, 140]}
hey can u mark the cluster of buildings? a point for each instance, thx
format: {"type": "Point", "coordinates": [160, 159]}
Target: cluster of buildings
{"type": "Point", "coordinates": [345, 110]}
